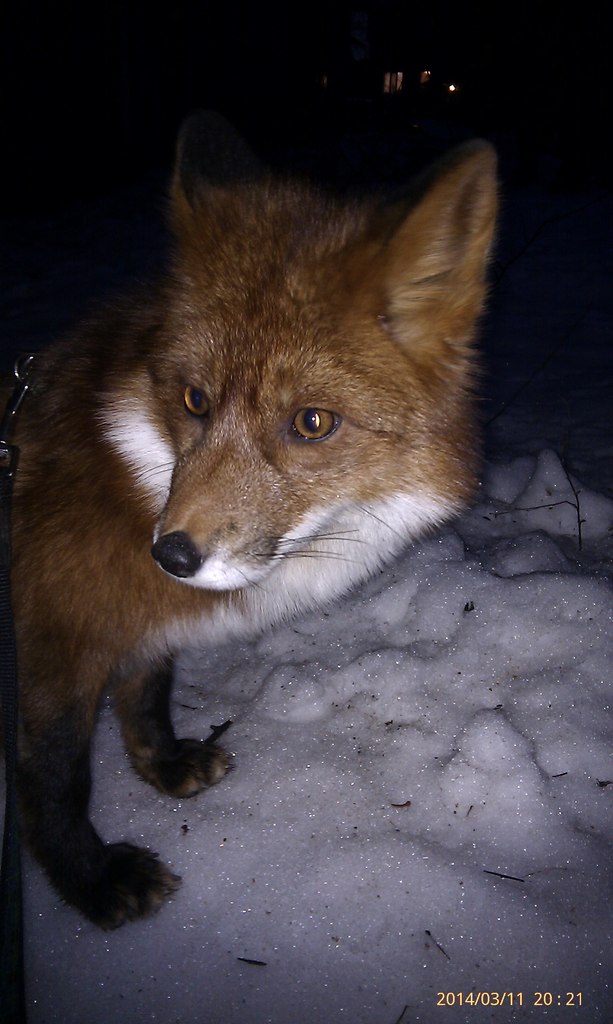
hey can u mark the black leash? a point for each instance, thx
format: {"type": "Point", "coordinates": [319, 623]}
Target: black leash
{"type": "Point", "coordinates": [12, 986]}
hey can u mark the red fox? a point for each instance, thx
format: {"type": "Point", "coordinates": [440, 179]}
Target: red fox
{"type": "Point", "coordinates": [264, 428]}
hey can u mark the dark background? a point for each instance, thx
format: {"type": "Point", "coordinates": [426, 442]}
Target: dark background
{"type": "Point", "coordinates": [93, 93]}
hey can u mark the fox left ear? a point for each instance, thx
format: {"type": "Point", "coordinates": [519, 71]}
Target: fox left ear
{"type": "Point", "coordinates": [211, 152]}
{"type": "Point", "coordinates": [434, 264]}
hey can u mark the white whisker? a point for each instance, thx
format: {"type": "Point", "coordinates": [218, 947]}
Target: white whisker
{"type": "Point", "coordinates": [378, 519]}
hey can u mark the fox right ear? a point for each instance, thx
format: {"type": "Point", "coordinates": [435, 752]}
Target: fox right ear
{"type": "Point", "coordinates": [211, 152]}
{"type": "Point", "coordinates": [434, 265]}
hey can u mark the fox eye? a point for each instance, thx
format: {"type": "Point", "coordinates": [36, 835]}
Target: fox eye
{"type": "Point", "coordinates": [195, 402]}
{"type": "Point", "coordinates": [315, 424]}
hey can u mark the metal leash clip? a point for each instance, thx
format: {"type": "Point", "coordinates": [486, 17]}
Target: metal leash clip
{"type": "Point", "coordinates": [21, 374]}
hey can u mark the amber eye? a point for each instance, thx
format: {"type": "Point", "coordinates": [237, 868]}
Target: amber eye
{"type": "Point", "coordinates": [195, 402]}
{"type": "Point", "coordinates": [315, 424]}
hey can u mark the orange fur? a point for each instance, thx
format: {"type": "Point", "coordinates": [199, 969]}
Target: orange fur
{"type": "Point", "coordinates": [278, 300]}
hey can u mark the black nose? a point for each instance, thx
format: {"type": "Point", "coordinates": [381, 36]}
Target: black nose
{"type": "Point", "coordinates": [177, 554]}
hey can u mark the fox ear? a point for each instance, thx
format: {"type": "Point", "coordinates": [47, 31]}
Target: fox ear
{"type": "Point", "coordinates": [211, 152]}
{"type": "Point", "coordinates": [434, 262]}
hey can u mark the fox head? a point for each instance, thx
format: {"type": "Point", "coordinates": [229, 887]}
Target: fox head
{"type": "Point", "coordinates": [305, 407]}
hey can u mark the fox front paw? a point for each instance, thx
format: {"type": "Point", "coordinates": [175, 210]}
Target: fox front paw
{"type": "Point", "coordinates": [192, 766]}
{"type": "Point", "coordinates": [133, 883]}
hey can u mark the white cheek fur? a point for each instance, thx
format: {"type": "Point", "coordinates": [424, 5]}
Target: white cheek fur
{"type": "Point", "coordinates": [142, 448]}
{"type": "Point", "coordinates": [333, 550]}
{"type": "Point", "coordinates": [325, 554]}
{"type": "Point", "coordinates": [345, 545]}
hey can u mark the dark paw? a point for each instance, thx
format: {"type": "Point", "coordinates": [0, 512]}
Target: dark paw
{"type": "Point", "coordinates": [132, 883]}
{"type": "Point", "coordinates": [192, 766]}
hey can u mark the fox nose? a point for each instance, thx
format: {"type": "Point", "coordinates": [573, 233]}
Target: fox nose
{"type": "Point", "coordinates": [177, 554]}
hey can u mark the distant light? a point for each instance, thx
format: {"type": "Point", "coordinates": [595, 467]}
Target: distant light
{"type": "Point", "coordinates": [452, 87]}
{"type": "Point", "coordinates": [392, 81]}
{"type": "Point", "coordinates": [424, 77]}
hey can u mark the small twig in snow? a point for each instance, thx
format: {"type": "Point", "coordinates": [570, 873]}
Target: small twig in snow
{"type": "Point", "coordinates": [549, 505]}
{"type": "Point", "coordinates": [217, 731]}
{"type": "Point", "coordinates": [438, 946]}
{"type": "Point", "coordinates": [498, 874]}
{"type": "Point", "coordinates": [576, 493]}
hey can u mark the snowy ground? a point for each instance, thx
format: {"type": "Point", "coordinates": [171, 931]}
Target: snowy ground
{"type": "Point", "coordinates": [422, 802]}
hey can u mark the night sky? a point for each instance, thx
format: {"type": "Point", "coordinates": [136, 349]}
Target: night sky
{"type": "Point", "coordinates": [92, 94]}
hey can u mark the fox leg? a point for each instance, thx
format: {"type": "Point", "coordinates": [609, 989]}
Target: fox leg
{"type": "Point", "coordinates": [179, 767]}
{"type": "Point", "coordinates": [110, 884]}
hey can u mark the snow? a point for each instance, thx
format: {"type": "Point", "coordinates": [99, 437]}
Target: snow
{"type": "Point", "coordinates": [421, 800]}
